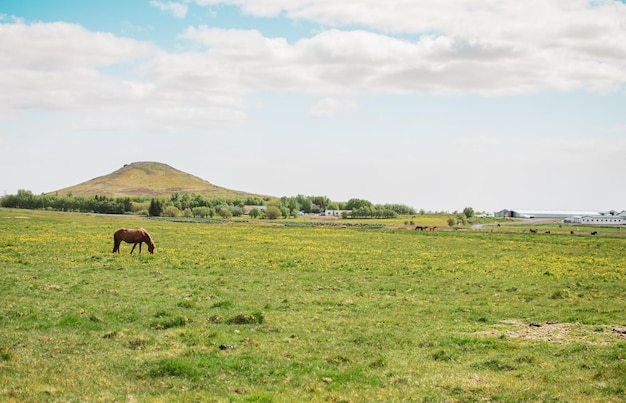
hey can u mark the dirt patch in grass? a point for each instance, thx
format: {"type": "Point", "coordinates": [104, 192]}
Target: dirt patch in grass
{"type": "Point", "coordinates": [561, 333]}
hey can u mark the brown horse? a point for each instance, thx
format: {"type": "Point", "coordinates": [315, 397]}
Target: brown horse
{"type": "Point", "coordinates": [134, 236]}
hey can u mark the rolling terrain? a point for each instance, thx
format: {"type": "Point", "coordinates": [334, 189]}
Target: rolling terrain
{"type": "Point", "coordinates": [148, 179]}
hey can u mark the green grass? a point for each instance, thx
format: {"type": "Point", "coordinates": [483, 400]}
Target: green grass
{"type": "Point", "coordinates": [314, 313]}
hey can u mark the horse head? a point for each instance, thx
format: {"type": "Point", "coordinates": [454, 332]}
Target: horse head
{"type": "Point", "coordinates": [149, 242]}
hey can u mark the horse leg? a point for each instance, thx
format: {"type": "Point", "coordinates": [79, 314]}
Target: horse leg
{"type": "Point", "coordinates": [131, 251]}
{"type": "Point", "coordinates": [116, 245]}
{"type": "Point", "coordinates": [140, 247]}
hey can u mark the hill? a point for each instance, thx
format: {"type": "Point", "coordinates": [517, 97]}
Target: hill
{"type": "Point", "coordinates": [148, 179]}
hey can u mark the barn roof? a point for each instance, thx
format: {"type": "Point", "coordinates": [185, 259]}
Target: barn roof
{"type": "Point", "coordinates": [552, 213]}
{"type": "Point", "coordinates": [557, 212]}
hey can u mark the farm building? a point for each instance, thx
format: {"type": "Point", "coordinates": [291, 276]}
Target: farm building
{"type": "Point", "coordinates": [336, 213]}
{"type": "Point", "coordinates": [544, 213]}
{"type": "Point", "coordinates": [609, 218]}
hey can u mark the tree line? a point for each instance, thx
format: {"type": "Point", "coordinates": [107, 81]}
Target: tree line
{"type": "Point", "coordinates": [97, 204]}
{"type": "Point", "coordinates": [189, 205]}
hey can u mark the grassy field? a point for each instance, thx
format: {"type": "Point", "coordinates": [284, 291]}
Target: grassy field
{"type": "Point", "coordinates": [312, 313]}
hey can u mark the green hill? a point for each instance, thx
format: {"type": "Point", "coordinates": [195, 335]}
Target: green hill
{"type": "Point", "coordinates": [148, 179]}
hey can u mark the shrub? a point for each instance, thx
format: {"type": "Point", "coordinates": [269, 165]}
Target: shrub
{"type": "Point", "coordinates": [202, 212]}
{"type": "Point", "coordinates": [171, 211]}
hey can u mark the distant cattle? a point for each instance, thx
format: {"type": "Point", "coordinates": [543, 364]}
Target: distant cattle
{"type": "Point", "coordinates": [420, 228]}
{"type": "Point", "coordinates": [533, 231]}
{"type": "Point", "coordinates": [594, 233]}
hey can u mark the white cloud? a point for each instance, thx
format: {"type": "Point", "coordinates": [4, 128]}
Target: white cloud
{"type": "Point", "coordinates": [496, 48]}
{"type": "Point", "coordinates": [12, 18]}
{"type": "Point", "coordinates": [60, 46]}
{"type": "Point", "coordinates": [56, 66]}
{"type": "Point", "coordinates": [530, 19]}
{"type": "Point", "coordinates": [178, 10]}
{"type": "Point", "coordinates": [329, 107]}
{"type": "Point", "coordinates": [361, 61]}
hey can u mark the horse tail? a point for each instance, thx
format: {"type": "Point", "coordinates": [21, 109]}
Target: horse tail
{"type": "Point", "coordinates": [116, 241]}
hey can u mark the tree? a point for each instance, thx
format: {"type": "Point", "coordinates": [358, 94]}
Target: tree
{"type": "Point", "coordinates": [156, 208]}
{"type": "Point", "coordinates": [451, 222]}
{"type": "Point", "coordinates": [355, 204]}
{"type": "Point", "coordinates": [387, 213]}
{"type": "Point", "coordinates": [400, 209]}
{"type": "Point", "coordinates": [305, 204]}
{"type": "Point", "coordinates": [201, 211]}
{"type": "Point", "coordinates": [321, 201]}
{"type": "Point", "coordinates": [254, 213]}
{"type": "Point", "coordinates": [460, 219]}
{"type": "Point", "coordinates": [272, 212]}
{"type": "Point", "coordinates": [236, 211]}
{"type": "Point", "coordinates": [225, 213]}
{"type": "Point", "coordinates": [469, 212]}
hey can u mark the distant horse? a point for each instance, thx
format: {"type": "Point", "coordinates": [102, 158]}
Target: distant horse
{"type": "Point", "coordinates": [134, 236]}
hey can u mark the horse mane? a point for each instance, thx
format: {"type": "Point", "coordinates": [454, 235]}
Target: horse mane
{"type": "Point", "coordinates": [149, 237]}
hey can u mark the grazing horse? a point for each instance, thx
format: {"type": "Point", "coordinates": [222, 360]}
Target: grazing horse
{"type": "Point", "coordinates": [134, 236]}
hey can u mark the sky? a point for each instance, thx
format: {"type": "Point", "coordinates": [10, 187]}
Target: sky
{"type": "Point", "coordinates": [436, 104]}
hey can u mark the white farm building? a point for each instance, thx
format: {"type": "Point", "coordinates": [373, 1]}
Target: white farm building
{"type": "Point", "coordinates": [610, 218]}
{"type": "Point", "coordinates": [544, 213]}
{"type": "Point", "coordinates": [570, 217]}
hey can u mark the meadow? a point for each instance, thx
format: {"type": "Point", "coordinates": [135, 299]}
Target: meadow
{"type": "Point", "coordinates": [259, 311]}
